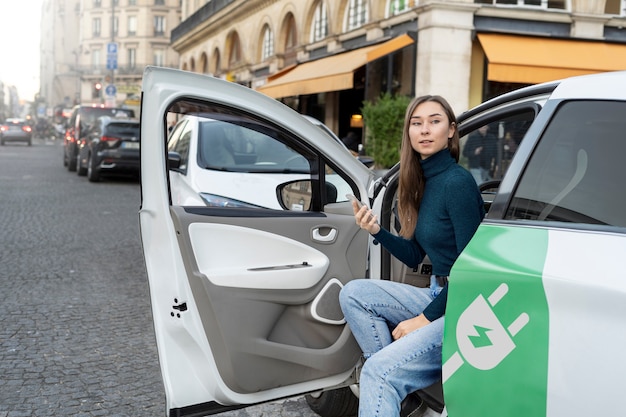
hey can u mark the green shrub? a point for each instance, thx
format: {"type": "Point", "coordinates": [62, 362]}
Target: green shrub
{"type": "Point", "coordinates": [383, 121]}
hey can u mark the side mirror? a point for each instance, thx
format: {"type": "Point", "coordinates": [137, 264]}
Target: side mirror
{"type": "Point", "coordinates": [295, 195]}
{"type": "Point", "coordinates": [173, 161]}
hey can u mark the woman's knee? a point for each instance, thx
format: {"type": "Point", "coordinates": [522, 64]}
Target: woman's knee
{"type": "Point", "coordinates": [350, 292]}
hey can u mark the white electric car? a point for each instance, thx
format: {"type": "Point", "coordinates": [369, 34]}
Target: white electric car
{"type": "Point", "coordinates": [244, 297]}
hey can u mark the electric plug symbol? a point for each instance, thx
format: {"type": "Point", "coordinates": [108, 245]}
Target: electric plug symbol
{"type": "Point", "coordinates": [483, 341]}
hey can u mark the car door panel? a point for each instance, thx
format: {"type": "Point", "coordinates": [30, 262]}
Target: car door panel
{"type": "Point", "coordinates": [245, 300]}
{"type": "Point", "coordinates": [259, 304]}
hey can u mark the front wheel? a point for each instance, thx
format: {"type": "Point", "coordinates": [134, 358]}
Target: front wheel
{"type": "Point", "coordinates": [339, 402]}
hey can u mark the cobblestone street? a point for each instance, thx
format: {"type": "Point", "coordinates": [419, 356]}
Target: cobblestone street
{"type": "Point", "coordinates": [76, 336]}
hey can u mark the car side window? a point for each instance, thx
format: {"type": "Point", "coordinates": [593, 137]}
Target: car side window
{"type": "Point", "coordinates": [179, 143]}
{"type": "Point", "coordinates": [487, 150]}
{"type": "Point", "coordinates": [577, 171]}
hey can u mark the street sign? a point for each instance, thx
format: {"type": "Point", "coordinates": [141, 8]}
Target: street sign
{"type": "Point", "coordinates": [110, 90]}
{"type": "Point", "coordinates": [111, 63]}
{"type": "Point", "coordinates": [111, 48]}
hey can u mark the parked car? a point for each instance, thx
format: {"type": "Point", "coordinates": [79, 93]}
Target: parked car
{"type": "Point", "coordinates": [211, 162]}
{"type": "Point", "coordinates": [244, 299]}
{"type": "Point", "coordinates": [111, 147]}
{"type": "Point", "coordinates": [82, 120]}
{"type": "Point", "coordinates": [16, 130]}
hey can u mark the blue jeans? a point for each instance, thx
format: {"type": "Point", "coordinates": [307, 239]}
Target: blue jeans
{"type": "Point", "coordinates": [393, 369]}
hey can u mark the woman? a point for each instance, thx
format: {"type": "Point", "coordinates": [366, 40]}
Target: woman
{"type": "Point", "coordinates": [399, 327]}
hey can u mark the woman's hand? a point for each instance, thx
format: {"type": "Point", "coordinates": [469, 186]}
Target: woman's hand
{"type": "Point", "coordinates": [407, 326]}
{"type": "Point", "coordinates": [366, 219]}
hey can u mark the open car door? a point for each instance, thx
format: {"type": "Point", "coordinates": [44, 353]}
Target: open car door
{"type": "Point", "coordinates": [245, 297]}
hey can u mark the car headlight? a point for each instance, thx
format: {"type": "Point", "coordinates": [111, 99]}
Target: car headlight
{"type": "Point", "coordinates": [213, 200]}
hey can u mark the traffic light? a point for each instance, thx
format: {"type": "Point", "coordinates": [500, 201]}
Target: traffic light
{"type": "Point", "coordinates": [97, 89]}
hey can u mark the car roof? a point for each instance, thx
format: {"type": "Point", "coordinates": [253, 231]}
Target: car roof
{"type": "Point", "coordinates": [606, 85]}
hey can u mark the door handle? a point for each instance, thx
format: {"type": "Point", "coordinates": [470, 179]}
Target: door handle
{"type": "Point", "coordinates": [324, 234]}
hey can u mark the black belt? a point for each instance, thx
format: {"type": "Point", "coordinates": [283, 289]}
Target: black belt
{"type": "Point", "coordinates": [442, 280]}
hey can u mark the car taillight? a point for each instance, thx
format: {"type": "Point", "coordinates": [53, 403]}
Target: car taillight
{"type": "Point", "coordinates": [27, 129]}
{"type": "Point", "coordinates": [111, 141]}
{"type": "Point", "coordinates": [4, 128]}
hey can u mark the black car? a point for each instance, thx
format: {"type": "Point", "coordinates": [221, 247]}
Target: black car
{"type": "Point", "coordinates": [110, 147]}
{"type": "Point", "coordinates": [16, 130]}
{"type": "Point", "coordinates": [81, 121]}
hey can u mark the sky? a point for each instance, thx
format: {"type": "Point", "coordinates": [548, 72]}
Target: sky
{"type": "Point", "coordinates": [19, 42]}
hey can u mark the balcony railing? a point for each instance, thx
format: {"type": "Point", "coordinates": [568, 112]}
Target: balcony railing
{"type": "Point", "coordinates": [204, 13]}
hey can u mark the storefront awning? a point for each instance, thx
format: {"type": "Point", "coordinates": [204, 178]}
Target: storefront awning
{"type": "Point", "coordinates": [532, 60]}
{"type": "Point", "coordinates": [332, 73]}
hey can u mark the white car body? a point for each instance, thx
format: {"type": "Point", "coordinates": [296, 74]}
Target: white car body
{"type": "Point", "coordinates": [244, 299]}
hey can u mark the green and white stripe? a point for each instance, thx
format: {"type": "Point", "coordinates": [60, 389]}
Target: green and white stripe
{"type": "Point", "coordinates": [535, 324]}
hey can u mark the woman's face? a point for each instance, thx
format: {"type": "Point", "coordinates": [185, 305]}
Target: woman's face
{"type": "Point", "coordinates": [429, 129]}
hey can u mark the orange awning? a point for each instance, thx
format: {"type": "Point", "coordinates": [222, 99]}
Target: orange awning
{"type": "Point", "coordinates": [390, 46]}
{"type": "Point", "coordinates": [532, 60]}
{"type": "Point", "coordinates": [332, 73]}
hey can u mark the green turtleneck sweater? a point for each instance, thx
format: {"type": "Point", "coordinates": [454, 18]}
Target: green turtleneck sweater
{"type": "Point", "coordinates": [449, 214]}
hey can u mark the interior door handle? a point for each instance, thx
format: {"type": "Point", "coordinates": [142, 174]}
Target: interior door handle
{"type": "Point", "coordinates": [324, 234]}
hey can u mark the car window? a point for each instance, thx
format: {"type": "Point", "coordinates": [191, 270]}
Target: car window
{"type": "Point", "coordinates": [248, 147]}
{"type": "Point", "coordinates": [487, 150]}
{"type": "Point", "coordinates": [229, 159]}
{"type": "Point", "coordinates": [179, 142]}
{"type": "Point", "coordinates": [122, 129]}
{"type": "Point", "coordinates": [576, 173]}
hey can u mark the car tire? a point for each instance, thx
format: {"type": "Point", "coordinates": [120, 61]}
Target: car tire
{"type": "Point", "coordinates": [71, 163]}
{"type": "Point", "coordinates": [93, 175]}
{"type": "Point", "coordinates": [334, 403]}
{"type": "Point", "coordinates": [80, 169]}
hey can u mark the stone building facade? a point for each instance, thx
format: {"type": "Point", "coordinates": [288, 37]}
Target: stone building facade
{"type": "Point", "coordinates": [324, 57]}
{"type": "Point", "coordinates": [78, 62]}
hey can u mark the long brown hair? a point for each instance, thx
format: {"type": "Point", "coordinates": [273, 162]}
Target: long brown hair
{"type": "Point", "coordinates": [412, 181]}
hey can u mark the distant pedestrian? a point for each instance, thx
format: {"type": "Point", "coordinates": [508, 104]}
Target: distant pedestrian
{"type": "Point", "coordinates": [480, 151]}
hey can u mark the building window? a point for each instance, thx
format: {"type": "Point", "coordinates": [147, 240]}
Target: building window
{"type": "Point", "coordinates": [320, 23]}
{"type": "Point", "coordinates": [357, 14]}
{"type": "Point", "coordinates": [96, 27]}
{"type": "Point", "coordinates": [116, 25]}
{"type": "Point", "coordinates": [235, 51]}
{"type": "Point", "coordinates": [541, 4]}
{"type": "Point", "coordinates": [97, 3]}
{"type": "Point", "coordinates": [291, 40]}
{"type": "Point", "coordinates": [158, 58]}
{"type": "Point", "coordinates": [268, 43]}
{"type": "Point", "coordinates": [132, 58]}
{"type": "Point", "coordinates": [159, 25]}
{"type": "Point", "coordinates": [132, 25]}
{"type": "Point", "coordinates": [159, 2]}
{"type": "Point", "coordinates": [132, 2]}
{"type": "Point", "coordinates": [395, 7]}
{"type": "Point", "coordinates": [95, 59]}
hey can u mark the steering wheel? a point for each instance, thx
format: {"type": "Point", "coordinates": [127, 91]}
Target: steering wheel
{"type": "Point", "coordinates": [489, 185]}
